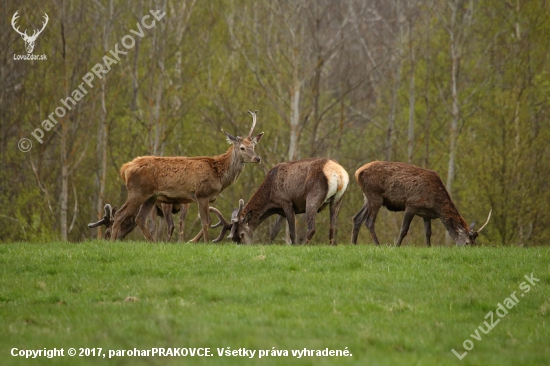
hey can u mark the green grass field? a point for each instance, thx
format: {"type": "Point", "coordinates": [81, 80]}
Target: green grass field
{"type": "Point", "coordinates": [388, 306]}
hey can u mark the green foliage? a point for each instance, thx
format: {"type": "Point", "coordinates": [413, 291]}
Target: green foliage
{"type": "Point", "coordinates": [222, 58]}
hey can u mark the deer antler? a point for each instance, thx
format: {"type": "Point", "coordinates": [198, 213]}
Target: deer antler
{"type": "Point", "coordinates": [486, 222]}
{"type": "Point", "coordinates": [24, 34]}
{"type": "Point", "coordinates": [35, 34]}
{"type": "Point", "coordinates": [106, 218]}
{"type": "Point", "coordinates": [235, 219]}
{"type": "Point", "coordinates": [226, 226]}
{"type": "Point", "coordinates": [236, 215]}
{"type": "Point", "coordinates": [253, 122]}
{"type": "Point", "coordinates": [13, 20]}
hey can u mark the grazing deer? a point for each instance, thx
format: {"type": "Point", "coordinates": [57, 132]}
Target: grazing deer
{"type": "Point", "coordinates": [29, 40]}
{"type": "Point", "coordinates": [163, 210]}
{"type": "Point", "coordinates": [417, 191]}
{"type": "Point", "coordinates": [303, 186]}
{"type": "Point", "coordinates": [108, 219]}
{"type": "Point", "coordinates": [179, 179]}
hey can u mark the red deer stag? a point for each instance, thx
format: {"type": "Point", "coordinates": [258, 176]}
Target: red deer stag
{"type": "Point", "coordinates": [417, 191]}
{"type": "Point", "coordinates": [163, 210]}
{"type": "Point", "coordinates": [179, 179]}
{"type": "Point", "coordinates": [303, 186]}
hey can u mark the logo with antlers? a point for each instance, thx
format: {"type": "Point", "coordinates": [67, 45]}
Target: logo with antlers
{"type": "Point", "coordinates": [29, 40]}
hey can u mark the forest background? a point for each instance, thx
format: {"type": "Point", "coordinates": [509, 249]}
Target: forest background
{"type": "Point", "coordinates": [457, 86]}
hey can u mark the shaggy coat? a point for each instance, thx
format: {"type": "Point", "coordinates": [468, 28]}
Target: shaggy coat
{"type": "Point", "coordinates": [417, 191]}
{"type": "Point", "coordinates": [303, 186]}
{"type": "Point", "coordinates": [182, 180]}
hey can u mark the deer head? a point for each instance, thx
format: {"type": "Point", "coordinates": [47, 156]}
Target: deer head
{"type": "Point", "coordinates": [469, 236]}
{"type": "Point", "coordinates": [240, 233]}
{"type": "Point", "coordinates": [245, 146]}
{"type": "Point", "coordinates": [29, 40]}
{"type": "Point", "coordinates": [106, 221]}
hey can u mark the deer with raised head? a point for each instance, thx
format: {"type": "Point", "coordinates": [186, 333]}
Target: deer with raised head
{"type": "Point", "coordinates": [29, 40]}
{"type": "Point", "coordinates": [180, 180]}
{"type": "Point", "coordinates": [163, 210]}
{"type": "Point", "coordinates": [417, 191]}
{"type": "Point", "coordinates": [303, 186]}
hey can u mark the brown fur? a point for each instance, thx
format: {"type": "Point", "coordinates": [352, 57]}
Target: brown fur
{"type": "Point", "coordinates": [182, 180]}
{"type": "Point", "coordinates": [417, 191]}
{"type": "Point", "coordinates": [303, 186]}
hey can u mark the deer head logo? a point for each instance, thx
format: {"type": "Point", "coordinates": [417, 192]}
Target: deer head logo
{"type": "Point", "coordinates": [29, 40]}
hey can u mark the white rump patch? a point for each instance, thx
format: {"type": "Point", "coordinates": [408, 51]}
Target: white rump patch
{"type": "Point", "coordinates": [337, 179]}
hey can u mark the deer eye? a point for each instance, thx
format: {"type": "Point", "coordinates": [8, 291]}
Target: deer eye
{"type": "Point", "coordinates": [242, 148]}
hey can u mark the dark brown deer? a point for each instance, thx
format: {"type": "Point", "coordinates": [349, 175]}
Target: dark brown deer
{"type": "Point", "coordinates": [163, 210]}
{"type": "Point", "coordinates": [303, 186]}
{"type": "Point", "coordinates": [180, 180]}
{"type": "Point", "coordinates": [417, 191]}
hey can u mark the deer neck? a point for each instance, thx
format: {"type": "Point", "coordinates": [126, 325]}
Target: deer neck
{"type": "Point", "coordinates": [260, 205]}
{"type": "Point", "coordinates": [232, 166]}
{"type": "Point", "coordinates": [454, 223]}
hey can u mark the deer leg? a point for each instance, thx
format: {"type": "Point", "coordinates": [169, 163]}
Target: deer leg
{"type": "Point", "coordinates": [204, 213]}
{"type": "Point", "coordinates": [183, 213]}
{"type": "Point", "coordinates": [428, 229]}
{"type": "Point", "coordinates": [334, 209]}
{"type": "Point", "coordinates": [291, 219]}
{"type": "Point", "coordinates": [359, 219]}
{"type": "Point", "coordinates": [167, 213]}
{"type": "Point", "coordinates": [405, 227]}
{"type": "Point", "coordinates": [313, 203]}
{"type": "Point", "coordinates": [371, 214]}
{"type": "Point", "coordinates": [129, 209]}
{"type": "Point", "coordinates": [153, 217]}
{"type": "Point", "coordinates": [276, 228]}
{"type": "Point", "coordinates": [141, 219]}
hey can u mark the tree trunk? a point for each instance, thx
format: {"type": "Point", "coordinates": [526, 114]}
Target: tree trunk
{"type": "Point", "coordinates": [411, 98]}
{"type": "Point", "coordinates": [396, 57]}
{"type": "Point", "coordinates": [103, 128]}
{"type": "Point", "coordinates": [64, 194]}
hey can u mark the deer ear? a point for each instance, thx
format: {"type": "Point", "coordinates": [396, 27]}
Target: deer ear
{"type": "Point", "coordinates": [231, 139]}
{"type": "Point", "coordinates": [257, 138]}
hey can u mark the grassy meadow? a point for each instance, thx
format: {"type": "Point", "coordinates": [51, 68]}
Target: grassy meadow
{"type": "Point", "coordinates": [387, 305]}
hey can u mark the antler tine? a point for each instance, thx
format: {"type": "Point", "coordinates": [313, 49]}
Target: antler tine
{"type": "Point", "coordinates": [237, 216]}
{"type": "Point", "coordinates": [486, 222]}
{"type": "Point", "coordinates": [106, 218]}
{"type": "Point", "coordinates": [225, 225]}
{"type": "Point", "coordinates": [44, 25]}
{"type": "Point", "coordinates": [253, 122]}
{"type": "Point", "coordinates": [108, 212]}
{"type": "Point", "coordinates": [220, 216]}
{"type": "Point", "coordinates": [35, 33]}
{"type": "Point", "coordinates": [13, 20]}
